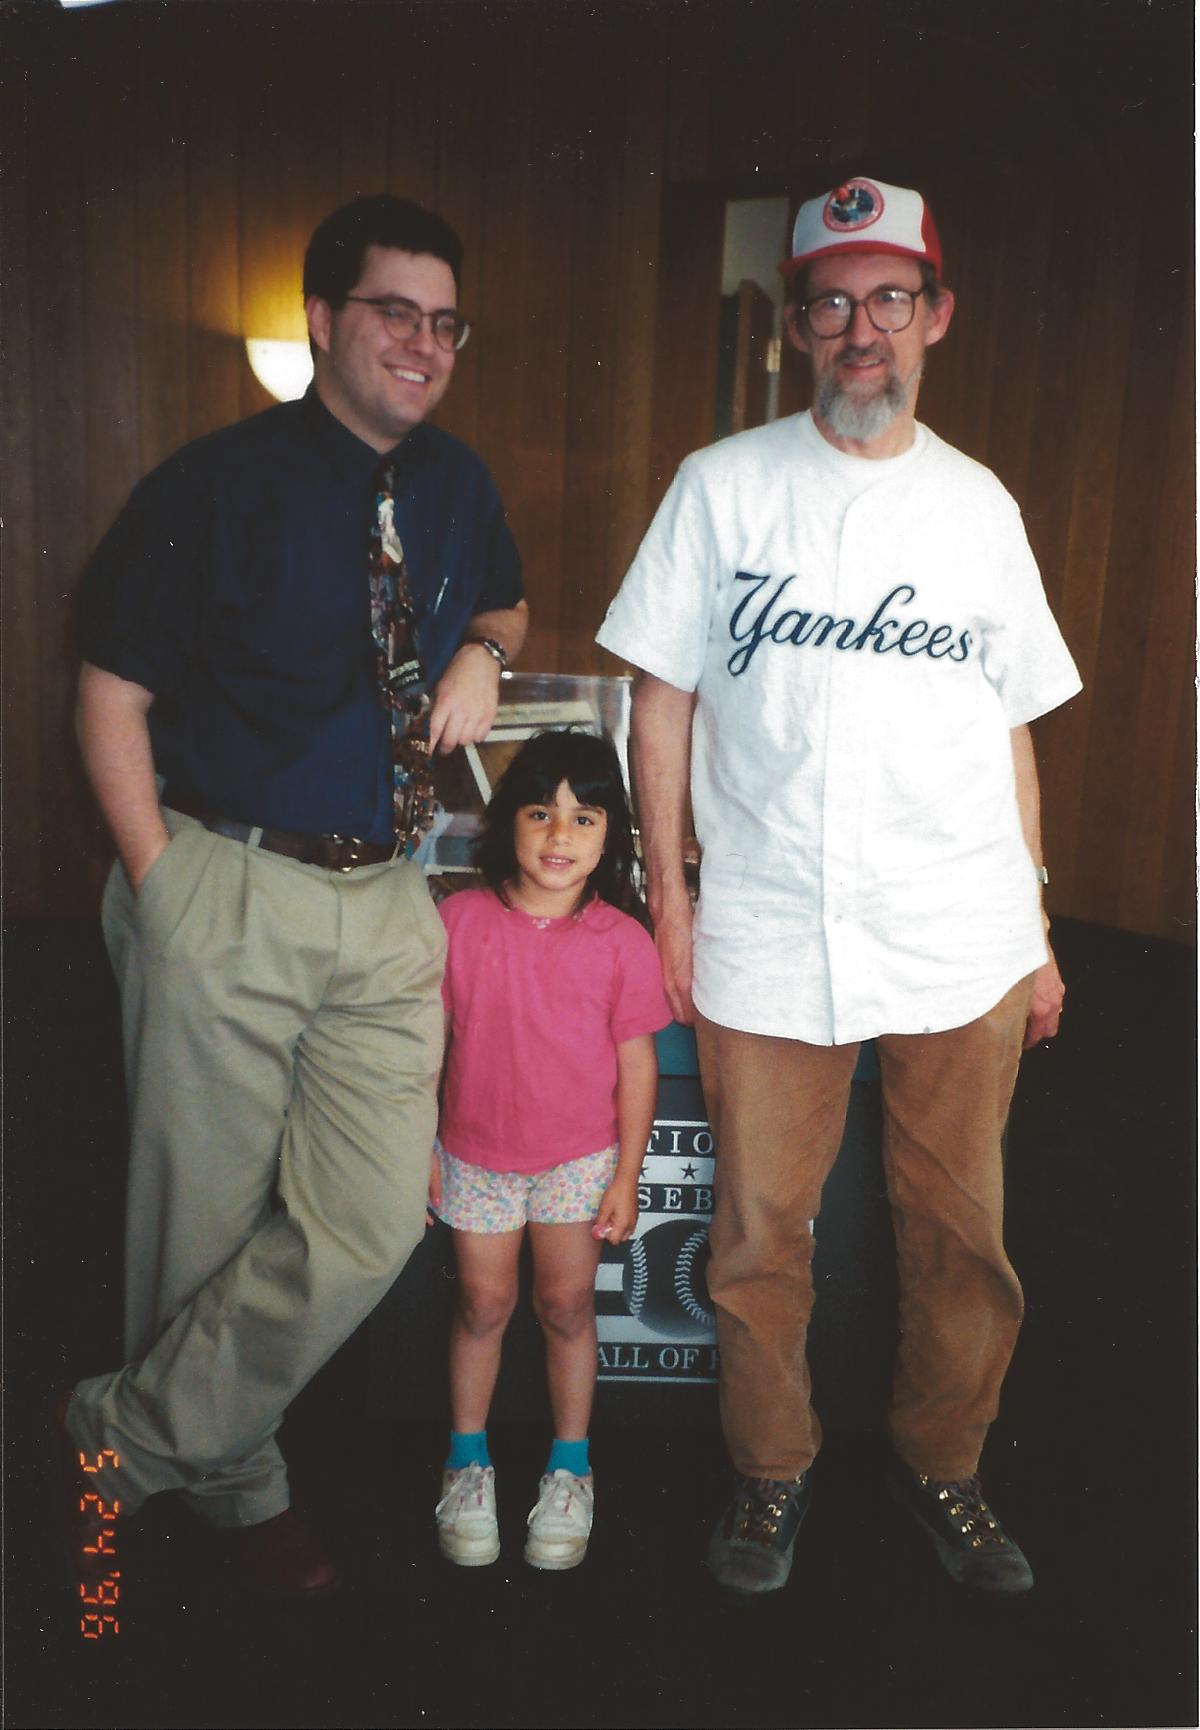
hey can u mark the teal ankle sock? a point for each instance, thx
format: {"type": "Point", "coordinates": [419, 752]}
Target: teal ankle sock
{"type": "Point", "coordinates": [569, 1457]}
{"type": "Point", "coordinates": [468, 1449]}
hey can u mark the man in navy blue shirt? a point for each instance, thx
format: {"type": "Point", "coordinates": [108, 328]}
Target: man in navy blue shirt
{"type": "Point", "coordinates": [278, 955]}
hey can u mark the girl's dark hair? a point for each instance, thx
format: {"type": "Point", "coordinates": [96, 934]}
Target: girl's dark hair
{"type": "Point", "coordinates": [591, 768]}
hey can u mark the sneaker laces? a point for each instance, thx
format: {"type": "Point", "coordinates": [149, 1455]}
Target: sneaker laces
{"type": "Point", "coordinates": [468, 1486]}
{"type": "Point", "coordinates": [962, 1501]}
{"type": "Point", "coordinates": [758, 1507]}
{"type": "Point", "coordinates": [556, 1497]}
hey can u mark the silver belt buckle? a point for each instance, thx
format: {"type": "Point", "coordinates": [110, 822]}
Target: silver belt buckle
{"type": "Point", "coordinates": [354, 842]}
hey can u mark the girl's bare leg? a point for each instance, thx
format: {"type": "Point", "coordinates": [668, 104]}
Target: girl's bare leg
{"type": "Point", "coordinates": [487, 1291]}
{"type": "Point", "coordinates": [565, 1258]}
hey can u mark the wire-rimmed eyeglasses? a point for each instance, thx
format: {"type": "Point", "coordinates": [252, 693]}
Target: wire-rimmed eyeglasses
{"type": "Point", "coordinates": [890, 310]}
{"type": "Point", "coordinates": [404, 318]}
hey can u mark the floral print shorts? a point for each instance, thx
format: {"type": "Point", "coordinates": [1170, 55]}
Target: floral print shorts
{"type": "Point", "coordinates": [476, 1199]}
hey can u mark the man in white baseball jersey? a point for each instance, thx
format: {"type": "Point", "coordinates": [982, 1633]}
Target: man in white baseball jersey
{"type": "Point", "coordinates": [842, 638]}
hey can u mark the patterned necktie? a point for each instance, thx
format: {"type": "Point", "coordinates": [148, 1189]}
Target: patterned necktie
{"type": "Point", "coordinates": [398, 667]}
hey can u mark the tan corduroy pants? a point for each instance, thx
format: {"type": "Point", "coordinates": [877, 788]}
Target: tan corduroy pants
{"type": "Point", "coordinates": [778, 1110]}
{"type": "Point", "coordinates": [283, 1036]}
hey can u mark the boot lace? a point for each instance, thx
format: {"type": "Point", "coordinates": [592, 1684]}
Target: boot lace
{"type": "Point", "coordinates": [963, 1504]}
{"type": "Point", "coordinates": [759, 1506]}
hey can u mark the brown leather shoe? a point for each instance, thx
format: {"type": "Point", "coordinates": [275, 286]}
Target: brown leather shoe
{"type": "Point", "coordinates": [282, 1557]}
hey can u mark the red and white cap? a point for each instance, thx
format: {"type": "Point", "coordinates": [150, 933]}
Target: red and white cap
{"type": "Point", "coordinates": [864, 215]}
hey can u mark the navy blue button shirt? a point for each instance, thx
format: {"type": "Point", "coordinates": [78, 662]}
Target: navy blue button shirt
{"type": "Point", "coordinates": [234, 586]}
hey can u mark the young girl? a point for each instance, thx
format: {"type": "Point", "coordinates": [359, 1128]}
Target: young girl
{"type": "Point", "coordinates": [553, 995]}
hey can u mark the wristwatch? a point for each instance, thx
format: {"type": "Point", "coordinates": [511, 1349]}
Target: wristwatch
{"type": "Point", "coordinates": [495, 650]}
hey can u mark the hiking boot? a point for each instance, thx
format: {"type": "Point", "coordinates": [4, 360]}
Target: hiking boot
{"type": "Point", "coordinates": [466, 1517]}
{"type": "Point", "coordinates": [561, 1522]}
{"type": "Point", "coordinates": [751, 1549]}
{"type": "Point", "coordinates": [971, 1544]}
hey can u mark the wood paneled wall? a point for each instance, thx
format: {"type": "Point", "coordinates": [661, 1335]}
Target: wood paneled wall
{"type": "Point", "coordinates": [164, 165]}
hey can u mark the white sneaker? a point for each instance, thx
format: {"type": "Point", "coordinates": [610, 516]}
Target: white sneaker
{"type": "Point", "coordinates": [560, 1524]}
{"type": "Point", "coordinates": [466, 1517]}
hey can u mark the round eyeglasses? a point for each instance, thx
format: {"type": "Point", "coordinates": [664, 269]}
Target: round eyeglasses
{"type": "Point", "coordinates": [890, 310]}
{"type": "Point", "coordinates": [404, 318]}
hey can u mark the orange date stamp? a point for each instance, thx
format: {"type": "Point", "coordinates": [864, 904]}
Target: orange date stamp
{"type": "Point", "coordinates": [100, 1575]}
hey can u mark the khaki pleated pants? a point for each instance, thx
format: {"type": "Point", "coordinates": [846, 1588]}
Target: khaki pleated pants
{"type": "Point", "coordinates": [778, 1111]}
{"type": "Point", "coordinates": [283, 1038]}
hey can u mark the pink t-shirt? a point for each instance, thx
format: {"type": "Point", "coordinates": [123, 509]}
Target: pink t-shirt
{"type": "Point", "coordinates": [537, 1009]}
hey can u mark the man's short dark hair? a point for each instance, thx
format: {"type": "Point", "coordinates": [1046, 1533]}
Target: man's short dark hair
{"type": "Point", "coordinates": [334, 260]}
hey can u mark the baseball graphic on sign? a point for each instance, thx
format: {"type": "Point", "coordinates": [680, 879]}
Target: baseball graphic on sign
{"type": "Point", "coordinates": [663, 1281]}
{"type": "Point", "coordinates": [654, 1316]}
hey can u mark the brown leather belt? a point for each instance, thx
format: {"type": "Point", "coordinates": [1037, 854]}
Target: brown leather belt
{"type": "Point", "coordinates": [333, 852]}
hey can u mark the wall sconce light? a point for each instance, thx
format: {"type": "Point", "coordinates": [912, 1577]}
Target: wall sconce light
{"type": "Point", "coordinates": [282, 368]}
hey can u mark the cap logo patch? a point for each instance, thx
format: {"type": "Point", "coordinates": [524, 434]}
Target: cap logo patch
{"type": "Point", "coordinates": [855, 205]}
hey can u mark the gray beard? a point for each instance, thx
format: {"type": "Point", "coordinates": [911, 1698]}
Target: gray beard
{"type": "Point", "coordinates": [862, 419]}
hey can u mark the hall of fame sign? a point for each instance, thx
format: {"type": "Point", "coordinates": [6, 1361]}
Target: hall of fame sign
{"type": "Point", "coordinates": [654, 1320]}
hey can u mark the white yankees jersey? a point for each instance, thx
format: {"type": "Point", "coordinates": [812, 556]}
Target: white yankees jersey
{"type": "Point", "coordinates": [862, 636]}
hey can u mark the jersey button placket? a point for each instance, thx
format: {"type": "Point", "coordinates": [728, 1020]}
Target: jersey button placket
{"type": "Point", "coordinates": [847, 765]}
